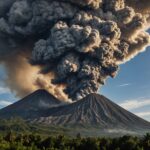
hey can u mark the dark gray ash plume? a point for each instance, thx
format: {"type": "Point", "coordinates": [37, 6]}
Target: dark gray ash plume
{"type": "Point", "coordinates": [81, 42]}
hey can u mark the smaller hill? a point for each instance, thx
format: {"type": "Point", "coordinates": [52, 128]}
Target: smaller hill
{"type": "Point", "coordinates": [31, 106]}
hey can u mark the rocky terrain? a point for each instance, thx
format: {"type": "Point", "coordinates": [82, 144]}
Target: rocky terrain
{"type": "Point", "coordinates": [30, 106]}
{"type": "Point", "coordinates": [94, 111]}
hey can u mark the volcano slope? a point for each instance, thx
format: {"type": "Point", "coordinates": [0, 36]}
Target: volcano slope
{"type": "Point", "coordinates": [92, 112]}
{"type": "Point", "coordinates": [31, 106]}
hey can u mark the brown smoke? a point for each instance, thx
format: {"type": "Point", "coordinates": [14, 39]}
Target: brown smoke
{"type": "Point", "coordinates": [23, 78]}
{"type": "Point", "coordinates": [75, 45]}
{"type": "Point", "coordinates": [20, 75]}
{"type": "Point", "coordinates": [141, 6]}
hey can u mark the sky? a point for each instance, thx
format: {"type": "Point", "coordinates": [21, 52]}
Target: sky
{"type": "Point", "coordinates": [130, 89]}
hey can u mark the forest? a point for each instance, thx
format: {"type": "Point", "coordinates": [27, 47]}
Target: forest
{"type": "Point", "coordinates": [17, 134]}
{"type": "Point", "coordinates": [12, 141]}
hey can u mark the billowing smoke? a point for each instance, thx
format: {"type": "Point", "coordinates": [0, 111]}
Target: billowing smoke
{"type": "Point", "coordinates": [70, 46]}
{"type": "Point", "coordinates": [22, 78]}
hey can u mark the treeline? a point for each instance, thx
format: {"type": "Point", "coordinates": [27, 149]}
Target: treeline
{"type": "Point", "coordinates": [36, 142]}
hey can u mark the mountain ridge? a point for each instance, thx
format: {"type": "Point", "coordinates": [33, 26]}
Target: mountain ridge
{"type": "Point", "coordinates": [94, 111]}
{"type": "Point", "coordinates": [30, 105]}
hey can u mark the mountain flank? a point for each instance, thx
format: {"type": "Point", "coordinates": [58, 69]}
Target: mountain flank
{"type": "Point", "coordinates": [31, 106]}
{"type": "Point", "coordinates": [94, 111]}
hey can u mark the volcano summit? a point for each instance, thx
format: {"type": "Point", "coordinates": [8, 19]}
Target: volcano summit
{"type": "Point", "coordinates": [94, 111]}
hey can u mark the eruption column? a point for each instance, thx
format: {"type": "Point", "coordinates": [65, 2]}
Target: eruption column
{"type": "Point", "coordinates": [77, 44]}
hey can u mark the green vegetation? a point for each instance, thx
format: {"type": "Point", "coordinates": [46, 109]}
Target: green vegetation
{"type": "Point", "coordinates": [18, 125]}
{"type": "Point", "coordinates": [17, 134]}
{"type": "Point", "coordinates": [36, 142]}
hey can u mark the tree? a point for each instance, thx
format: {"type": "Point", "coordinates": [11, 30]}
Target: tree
{"type": "Point", "coordinates": [146, 142]}
{"type": "Point", "coordinates": [10, 137]}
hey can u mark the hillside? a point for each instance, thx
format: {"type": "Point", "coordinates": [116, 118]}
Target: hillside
{"type": "Point", "coordinates": [94, 110]}
{"type": "Point", "coordinates": [31, 106]}
{"type": "Point", "coordinates": [93, 115]}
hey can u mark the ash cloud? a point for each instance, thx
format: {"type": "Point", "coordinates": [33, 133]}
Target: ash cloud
{"type": "Point", "coordinates": [78, 44]}
{"type": "Point", "coordinates": [22, 78]}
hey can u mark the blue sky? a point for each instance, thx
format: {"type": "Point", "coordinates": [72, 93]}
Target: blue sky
{"type": "Point", "coordinates": [130, 89]}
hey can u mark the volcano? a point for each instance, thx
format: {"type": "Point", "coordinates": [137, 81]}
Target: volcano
{"type": "Point", "coordinates": [31, 106]}
{"type": "Point", "coordinates": [94, 111]}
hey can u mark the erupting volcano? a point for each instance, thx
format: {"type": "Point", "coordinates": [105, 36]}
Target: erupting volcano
{"type": "Point", "coordinates": [94, 115]}
{"type": "Point", "coordinates": [69, 47]}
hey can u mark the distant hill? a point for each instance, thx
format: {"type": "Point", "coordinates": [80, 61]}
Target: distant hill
{"type": "Point", "coordinates": [92, 112]}
{"type": "Point", "coordinates": [31, 106]}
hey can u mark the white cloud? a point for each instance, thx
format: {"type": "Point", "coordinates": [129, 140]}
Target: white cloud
{"type": "Point", "coordinates": [143, 114]}
{"type": "Point", "coordinates": [124, 85]}
{"type": "Point", "coordinates": [4, 103]}
{"type": "Point", "coordinates": [4, 90]}
{"type": "Point", "coordinates": [133, 104]}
